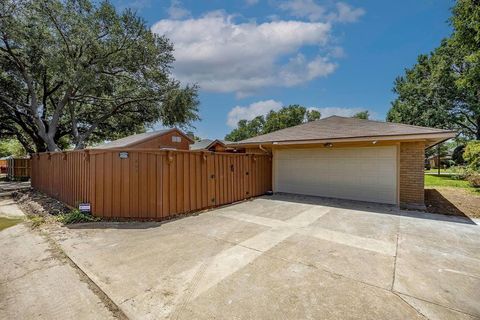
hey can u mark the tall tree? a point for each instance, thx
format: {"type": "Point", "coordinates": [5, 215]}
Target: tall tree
{"type": "Point", "coordinates": [79, 71]}
{"type": "Point", "coordinates": [443, 88]}
{"type": "Point", "coordinates": [289, 116]}
{"type": "Point", "coordinates": [246, 129]}
{"type": "Point", "coordinates": [362, 115]}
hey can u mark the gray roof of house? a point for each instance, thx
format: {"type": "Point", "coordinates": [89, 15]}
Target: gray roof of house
{"type": "Point", "coordinates": [205, 143]}
{"type": "Point", "coordinates": [336, 127]}
{"type": "Point", "coordinates": [200, 145]}
{"type": "Point", "coordinates": [131, 140]}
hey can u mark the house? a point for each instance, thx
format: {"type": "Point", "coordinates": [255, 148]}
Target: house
{"type": "Point", "coordinates": [172, 139]}
{"type": "Point", "coordinates": [213, 145]}
{"type": "Point", "coordinates": [351, 158]}
{"type": "Point", "coordinates": [444, 161]}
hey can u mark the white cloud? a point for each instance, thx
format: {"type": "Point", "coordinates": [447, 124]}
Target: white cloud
{"type": "Point", "coordinates": [337, 52]}
{"type": "Point", "coordinates": [223, 56]}
{"type": "Point", "coordinates": [251, 111]}
{"type": "Point", "coordinates": [346, 13]}
{"type": "Point", "coordinates": [177, 11]}
{"type": "Point", "coordinates": [304, 9]}
{"type": "Point", "coordinates": [299, 70]}
{"type": "Point", "coordinates": [341, 111]}
{"type": "Point", "coordinates": [311, 10]}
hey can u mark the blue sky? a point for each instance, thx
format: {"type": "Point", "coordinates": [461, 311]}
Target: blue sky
{"type": "Point", "coordinates": [251, 56]}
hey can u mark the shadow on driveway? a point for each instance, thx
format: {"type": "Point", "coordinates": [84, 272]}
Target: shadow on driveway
{"type": "Point", "coordinates": [374, 208]}
{"type": "Point", "coordinates": [451, 216]}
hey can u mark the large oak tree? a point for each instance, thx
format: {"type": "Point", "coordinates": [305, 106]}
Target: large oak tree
{"type": "Point", "coordinates": [75, 72]}
{"type": "Point", "coordinates": [443, 88]}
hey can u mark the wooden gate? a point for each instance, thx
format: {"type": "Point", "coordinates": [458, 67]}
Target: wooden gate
{"type": "Point", "coordinates": [18, 169]}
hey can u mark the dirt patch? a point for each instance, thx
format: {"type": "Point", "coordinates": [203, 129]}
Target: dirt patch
{"type": "Point", "coordinates": [36, 203]}
{"type": "Point", "coordinates": [452, 201]}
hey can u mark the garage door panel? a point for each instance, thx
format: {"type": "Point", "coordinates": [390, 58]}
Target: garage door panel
{"type": "Point", "coordinates": [367, 174]}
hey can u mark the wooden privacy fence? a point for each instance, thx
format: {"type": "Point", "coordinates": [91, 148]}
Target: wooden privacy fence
{"type": "Point", "coordinates": [150, 184]}
{"type": "Point", "coordinates": [3, 166]}
{"type": "Point", "coordinates": [18, 168]}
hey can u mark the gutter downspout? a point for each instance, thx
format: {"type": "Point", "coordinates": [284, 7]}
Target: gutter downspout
{"type": "Point", "coordinates": [270, 192]}
{"type": "Point", "coordinates": [264, 150]}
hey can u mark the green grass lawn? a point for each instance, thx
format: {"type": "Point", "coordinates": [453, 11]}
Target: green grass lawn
{"type": "Point", "coordinates": [448, 181]}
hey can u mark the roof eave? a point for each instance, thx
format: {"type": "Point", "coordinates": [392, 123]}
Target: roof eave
{"type": "Point", "coordinates": [424, 136]}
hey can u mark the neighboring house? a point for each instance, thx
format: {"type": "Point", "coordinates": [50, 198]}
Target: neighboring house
{"type": "Point", "coordinates": [444, 160]}
{"type": "Point", "coordinates": [351, 159]}
{"type": "Point", "coordinates": [172, 139]}
{"type": "Point", "coordinates": [213, 145]}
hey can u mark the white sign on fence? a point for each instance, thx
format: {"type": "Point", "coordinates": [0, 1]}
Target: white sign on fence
{"type": "Point", "coordinates": [84, 207]}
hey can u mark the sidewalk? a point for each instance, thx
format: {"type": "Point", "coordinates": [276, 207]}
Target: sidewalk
{"type": "Point", "coordinates": [37, 282]}
{"type": "Point", "coordinates": [8, 187]}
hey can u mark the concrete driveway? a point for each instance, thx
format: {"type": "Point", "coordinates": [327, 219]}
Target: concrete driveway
{"type": "Point", "coordinates": [286, 257]}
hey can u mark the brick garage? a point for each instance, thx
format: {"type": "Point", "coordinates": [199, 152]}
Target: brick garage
{"type": "Point", "coordinates": [350, 158]}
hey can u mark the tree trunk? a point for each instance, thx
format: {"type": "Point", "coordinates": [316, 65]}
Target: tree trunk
{"type": "Point", "coordinates": [51, 145]}
{"type": "Point", "coordinates": [478, 128]}
{"type": "Point", "coordinates": [438, 158]}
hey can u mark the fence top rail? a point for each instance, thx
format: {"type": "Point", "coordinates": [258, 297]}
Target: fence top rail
{"type": "Point", "coordinates": [143, 150]}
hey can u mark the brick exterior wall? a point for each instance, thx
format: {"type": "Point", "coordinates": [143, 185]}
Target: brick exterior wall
{"type": "Point", "coordinates": [412, 157]}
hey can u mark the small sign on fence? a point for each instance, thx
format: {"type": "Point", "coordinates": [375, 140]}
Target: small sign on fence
{"type": "Point", "coordinates": [84, 207]}
{"type": "Point", "coordinates": [123, 155]}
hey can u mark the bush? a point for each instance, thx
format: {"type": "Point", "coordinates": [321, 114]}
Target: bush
{"type": "Point", "coordinates": [474, 180]}
{"type": "Point", "coordinates": [449, 163]}
{"type": "Point", "coordinates": [457, 155]}
{"type": "Point", "coordinates": [472, 156]}
{"type": "Point", "coordinates": [458, 173]}
{"type": "Point", "coordinates": [76, 216]}
{"type": "Point", "coordinates": [36, 221]}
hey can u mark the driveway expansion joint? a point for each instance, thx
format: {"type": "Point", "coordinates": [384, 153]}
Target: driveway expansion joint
{"type": "Point", "coordinates": [395, 262]}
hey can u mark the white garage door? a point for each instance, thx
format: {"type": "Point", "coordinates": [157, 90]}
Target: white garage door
{"type": "Point", "coordinates": [366, 174]}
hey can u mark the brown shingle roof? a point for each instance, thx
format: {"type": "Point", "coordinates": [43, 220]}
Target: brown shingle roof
{"type": "Point", "coordinates": [137, 138]}
{"type": "Point", "coordinates": [131, 140]}
{"type": "Point", "coordinates": [336, 127]}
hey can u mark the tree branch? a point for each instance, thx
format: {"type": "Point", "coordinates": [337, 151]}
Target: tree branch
{"type": "Point", "coordinates": [81, 138]}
